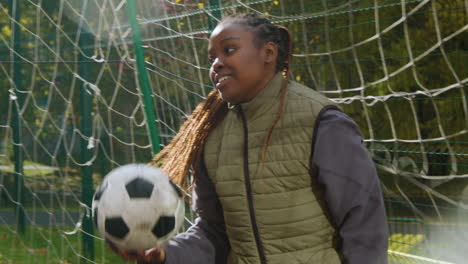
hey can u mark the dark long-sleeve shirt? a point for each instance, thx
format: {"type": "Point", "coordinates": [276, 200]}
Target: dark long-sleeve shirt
{"type": "Point", "coordinates": [351, 191]}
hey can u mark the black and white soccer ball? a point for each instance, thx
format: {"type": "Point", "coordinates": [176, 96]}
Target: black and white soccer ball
{"type": "Point", "coordinates": [137, 207]}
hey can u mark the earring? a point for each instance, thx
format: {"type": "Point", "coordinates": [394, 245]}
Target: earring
{"type": "Point", "coordinates": [285, 71]}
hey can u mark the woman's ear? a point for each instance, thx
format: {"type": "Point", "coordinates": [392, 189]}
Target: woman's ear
{"type": "Point", "coordinates": [271, 52]}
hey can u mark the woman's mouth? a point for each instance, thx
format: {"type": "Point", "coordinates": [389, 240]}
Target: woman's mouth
{"type": "Point", "coordinates": [222, 81]}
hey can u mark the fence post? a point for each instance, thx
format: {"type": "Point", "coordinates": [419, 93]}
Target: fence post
{"type": "Point", "coordinates": [86, 45]}
{"type": "Point", "coordinates": [148, 102]}
{"type": "Point", "coordinates": [17, 97]}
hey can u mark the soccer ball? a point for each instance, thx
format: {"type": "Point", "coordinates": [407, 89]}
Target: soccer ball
{"type": "Point", "coordinates": [137, 207]}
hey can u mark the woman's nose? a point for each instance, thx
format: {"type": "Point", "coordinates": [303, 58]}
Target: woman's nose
{"type": "Point", "coordinates": [217, 65]}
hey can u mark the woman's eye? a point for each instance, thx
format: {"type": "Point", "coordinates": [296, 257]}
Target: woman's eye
{"type": "Point", "coordinates": [229, 50]}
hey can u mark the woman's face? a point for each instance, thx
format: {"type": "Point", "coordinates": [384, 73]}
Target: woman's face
{"type": "Point", "coordinates": [239, 69]}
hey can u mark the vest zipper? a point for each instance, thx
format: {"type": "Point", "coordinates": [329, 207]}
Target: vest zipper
{"type": "Point", "coordinates": [248, 188]}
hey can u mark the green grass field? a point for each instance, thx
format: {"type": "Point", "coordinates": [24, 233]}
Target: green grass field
{"type": "Point", "coordinates": [41, 245]}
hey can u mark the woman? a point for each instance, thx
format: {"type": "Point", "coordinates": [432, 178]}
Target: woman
{"type": "Point", "coordinates": [280, 173]}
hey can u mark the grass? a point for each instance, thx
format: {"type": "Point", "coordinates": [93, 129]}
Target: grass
{"type": "Point", "coordinates": [31, 168]}
{"type": "Point", "coordinates": [41, 245]}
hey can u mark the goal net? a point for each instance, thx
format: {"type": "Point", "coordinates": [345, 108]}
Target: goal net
{"type": "Point", "coordinates": [73, 106]}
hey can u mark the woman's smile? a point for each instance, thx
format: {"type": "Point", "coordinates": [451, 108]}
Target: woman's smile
{"type": "Point", "coordinates": [222, 81]}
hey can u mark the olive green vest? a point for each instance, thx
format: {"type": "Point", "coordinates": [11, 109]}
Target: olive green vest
{"type": "Point", "coordinates": [274, 213]}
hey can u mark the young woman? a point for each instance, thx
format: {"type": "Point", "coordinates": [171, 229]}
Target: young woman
{"type": "Point", "coordinates": [280, 173]}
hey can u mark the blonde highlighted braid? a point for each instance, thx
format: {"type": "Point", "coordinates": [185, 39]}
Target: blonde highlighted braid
{"type": "Point", "coordinates": [186, 148]}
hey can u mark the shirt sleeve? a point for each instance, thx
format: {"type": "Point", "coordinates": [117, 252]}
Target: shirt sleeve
{"type": "Point", "coordinates": [351, 189]}
{"type": "Point", "coordinates": [205, 242]}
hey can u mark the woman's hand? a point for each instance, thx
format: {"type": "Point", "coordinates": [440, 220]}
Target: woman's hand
{"type": "Point", "coordinates": [150, 256]}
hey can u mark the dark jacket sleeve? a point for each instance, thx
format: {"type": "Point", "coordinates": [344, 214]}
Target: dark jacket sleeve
{"type": "Point", "coordinates": [205, 242]}
{"type": "Point", "coordinates": [351, 189]}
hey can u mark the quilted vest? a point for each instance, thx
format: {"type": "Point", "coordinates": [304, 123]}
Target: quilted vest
{"type": "Point", "coordinates": [273, 213]}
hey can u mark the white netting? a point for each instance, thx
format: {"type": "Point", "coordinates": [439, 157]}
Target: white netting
{"type": "Point", "coordinates": [397, 67]}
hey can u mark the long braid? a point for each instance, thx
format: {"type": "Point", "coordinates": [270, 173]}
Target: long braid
{"type": "Point", "coordinates": [185, 149]}
{"type": "Point", "coordinates": [285, 71]}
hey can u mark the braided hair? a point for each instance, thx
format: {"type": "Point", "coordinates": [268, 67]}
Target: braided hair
{"type": "Point", "coordinates": [265, 32]}
{"type": "Point", "coordinates": [185, 150]}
